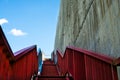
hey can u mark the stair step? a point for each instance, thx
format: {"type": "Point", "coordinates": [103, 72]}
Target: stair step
{"type": "Point", "coordinates": [48, 62]}
{"type": "Point", "coordinates": [49, 72]}
{"type": "Point", "coordinates": [49, 69]}
{"type": "Point", "coordinates": [51, 78]}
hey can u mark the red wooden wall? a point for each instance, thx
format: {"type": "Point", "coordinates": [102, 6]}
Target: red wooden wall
{"type": "Point", "coordinates": [5, 69]}
{"type": "Point", "coordinates": [6, 57]}
{"type": "Point", "coordinates": [25, 66]}
{"type": "Point", "coordinates": [21, 69]}
{"type": "Point", "coordinates": [86, 65]}
{"type": "Point", "coordinates": [19, 66]}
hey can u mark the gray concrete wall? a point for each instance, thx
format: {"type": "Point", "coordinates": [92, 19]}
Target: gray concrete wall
{"type": "Point", "coordinates": [89, 24]}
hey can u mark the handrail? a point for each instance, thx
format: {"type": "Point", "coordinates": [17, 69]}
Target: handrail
{"type": "Point", "coordinates": [62, 55]}
{"type": "Point", "coordinates": [64, 73]}
{"type": "Point", "coordinates": [100, 56]}
{"type": "Point", "coordinates": [83, 64]}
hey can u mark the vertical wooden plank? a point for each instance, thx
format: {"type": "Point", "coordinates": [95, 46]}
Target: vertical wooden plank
{"type": "Point", "coordinates": [70, 62]}
{"type": "Point", "coordinates": [88, 68]}
{"type": "Point", "coordinates": [73, 63]}
{"type": "Point", "coordinates": [114, 73]}
{"type": "Point", "coordinates": [79, 66]}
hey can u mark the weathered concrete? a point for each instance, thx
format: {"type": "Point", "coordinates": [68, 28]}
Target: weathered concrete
{"type": "Point", "coordinates": [89, 24]}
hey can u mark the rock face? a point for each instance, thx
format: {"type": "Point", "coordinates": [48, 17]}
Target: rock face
{"type": "Point", "coordinates": [89, 24]}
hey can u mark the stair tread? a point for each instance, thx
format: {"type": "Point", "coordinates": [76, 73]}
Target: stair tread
{"type": "Point", "coordinates": [49, 69]}
{"type": "Point", "coordinates": [49, 72]}
{"type": "Point", "coordinates": [51, 76]}
{"type": "Point", "coordinates": [51, 79]}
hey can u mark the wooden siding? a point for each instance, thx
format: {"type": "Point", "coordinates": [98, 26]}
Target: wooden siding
{"type": "Point", "coordinates": [25, 67]}
{"type": "Point", "coordinates": [5, 69]}
{"type": "Point", "coordinates": [19, 66]}
{"type": "Point", "coordinates": [86, 65]}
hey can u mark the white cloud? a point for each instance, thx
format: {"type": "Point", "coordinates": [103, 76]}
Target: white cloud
{"type": "Point", "coordinates": [17, 32]}
{"type": "Point", "coordinates": [3, 21]}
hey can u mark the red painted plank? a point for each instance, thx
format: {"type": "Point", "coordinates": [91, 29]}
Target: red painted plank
{"type": "Point", "coordinates": [100, 56]}
{"type": "Point", "coordinates": [86, 65]}
{"type": "Point", "coordinates": [27, 63]}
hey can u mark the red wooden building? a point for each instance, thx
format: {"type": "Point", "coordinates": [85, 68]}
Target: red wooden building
{"type": "Point", "coordinates": [19, 66]}
{"type": "Point", "coordinates": [86, 65]}
{"type": "Point", "coordinates": [6, 58]}
{"type": "Point", "coordinates": [25, 64]}
{"type": "Point", "coordinates": [75, 62]}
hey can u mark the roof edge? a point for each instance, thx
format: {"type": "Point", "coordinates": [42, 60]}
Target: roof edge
{"type": "Point", "coordinates": [24, 52]}
{"type": "Point", "coordinates": [7, 44]}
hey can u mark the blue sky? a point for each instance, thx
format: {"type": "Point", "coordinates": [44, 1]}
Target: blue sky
{"type": "Point", "coordinates": [29, 22]}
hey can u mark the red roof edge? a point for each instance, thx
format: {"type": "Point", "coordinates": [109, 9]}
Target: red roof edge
{"type": "Point", "coordinates": [62, 55]}
{"type": "Point", "coordinates": [24, 52]}
{"type": "Point", "coordinates": [18, 54]}
{"type": "Point", "coordinates": [6, 44]}
{"type": "Point", "coordinates": [117, 62]}
{"type": "Point", "coordinates": [99, 56]}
